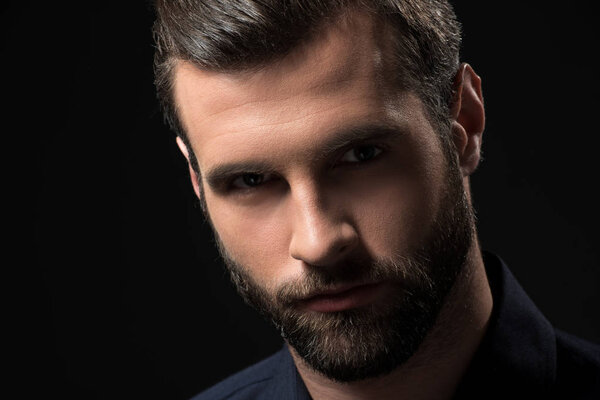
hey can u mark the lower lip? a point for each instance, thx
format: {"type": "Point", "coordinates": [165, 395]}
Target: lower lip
{"type": "Point", "coordinates": [353, 298]}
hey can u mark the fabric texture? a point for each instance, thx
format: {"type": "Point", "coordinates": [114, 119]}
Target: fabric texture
{"type": "Point", "coordinates": [521, 355]}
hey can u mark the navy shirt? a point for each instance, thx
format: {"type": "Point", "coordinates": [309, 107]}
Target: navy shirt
{"type": "Point", "coordinates": [521, 355]}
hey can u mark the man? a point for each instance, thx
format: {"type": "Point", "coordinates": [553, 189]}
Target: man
{"type": "Point", "coordinates": [330, 144]}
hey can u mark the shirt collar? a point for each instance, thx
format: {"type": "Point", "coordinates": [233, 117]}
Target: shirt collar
{"type": "Point", "coordinates": [288, 385]}
{"type": "Point", "coordinates": [518, 352]}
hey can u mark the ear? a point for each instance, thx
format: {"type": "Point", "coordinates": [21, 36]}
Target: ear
{"type": "Point", "coordinates": [468, 118]}
{"type": "Point", "coordinates": [193, 174]}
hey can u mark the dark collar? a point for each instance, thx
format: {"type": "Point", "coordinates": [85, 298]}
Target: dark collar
{"type": "Point", "coordinates": [289, 384]}
{"type": "Point", "coordinates": [518, 353]}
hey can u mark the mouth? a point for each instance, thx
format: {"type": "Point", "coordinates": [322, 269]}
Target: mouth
{"type": "Point", "coordinates": [345, 298]}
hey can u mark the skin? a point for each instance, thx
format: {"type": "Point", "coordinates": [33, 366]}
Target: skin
{"type": "Point", "coordinates": [318, 203]}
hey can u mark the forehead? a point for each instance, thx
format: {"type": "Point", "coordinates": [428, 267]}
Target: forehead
{"type": "Point", "coordinates": [343, 67]}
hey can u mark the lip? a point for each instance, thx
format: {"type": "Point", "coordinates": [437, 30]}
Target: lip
{"type": "Point", "coordinates": [344, 298]}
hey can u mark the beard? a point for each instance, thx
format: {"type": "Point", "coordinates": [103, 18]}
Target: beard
{"type": "Point", "coordinates": [373, 340]}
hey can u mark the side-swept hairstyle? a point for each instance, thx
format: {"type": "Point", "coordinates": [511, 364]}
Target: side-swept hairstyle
{"type": "Point", "coordinates": [237, 35]}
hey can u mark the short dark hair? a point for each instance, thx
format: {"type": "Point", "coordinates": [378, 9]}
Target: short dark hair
{"type": "Point", "coordinates": [237, 35]}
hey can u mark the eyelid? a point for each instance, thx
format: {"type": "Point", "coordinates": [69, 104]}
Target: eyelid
{"type": "Point", "coordinates": [351, 147]}
{"type": "Point", "coordinates": [267, 177]}
{"type": "Point", "coordinates": [378, 151]}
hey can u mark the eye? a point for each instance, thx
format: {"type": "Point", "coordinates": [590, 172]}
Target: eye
{"type": "Point", "coordinates": [250, 180]}
{"type": "Point", "coordinates": [361, 154]}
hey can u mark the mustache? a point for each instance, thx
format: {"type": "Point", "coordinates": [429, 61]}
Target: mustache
{"type": "Point", "coordinates": [407, 272]}
{"type": "Point", "coordinates": [410, 270]}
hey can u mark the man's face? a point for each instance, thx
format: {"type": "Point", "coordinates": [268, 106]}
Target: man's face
{"type": "Point", "coordinates": [335, 208]}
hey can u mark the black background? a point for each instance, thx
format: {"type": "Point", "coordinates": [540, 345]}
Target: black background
{"type": "Point", "coordinates": [118, 292]}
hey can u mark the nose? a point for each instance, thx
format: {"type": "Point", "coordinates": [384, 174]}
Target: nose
{"type": "Point", "coordinates": [321, 235]}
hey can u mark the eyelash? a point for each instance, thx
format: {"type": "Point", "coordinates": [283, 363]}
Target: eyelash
{"type": "Point", "coordinates": [377, 148]}
{"type": "Point", "coordinates": [269, 178]}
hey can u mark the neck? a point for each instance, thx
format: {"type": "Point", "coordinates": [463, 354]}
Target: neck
{"type": "Point", "coordinates": [437, 367]}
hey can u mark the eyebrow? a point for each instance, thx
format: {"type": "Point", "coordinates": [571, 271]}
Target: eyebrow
{"type": "Point", "coordinates": [361, 133]}
{"type": "Point", "coordinates": [218, 176]}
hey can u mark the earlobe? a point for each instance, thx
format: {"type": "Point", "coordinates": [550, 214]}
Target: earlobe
{"type": "Point", "coordinates": [468, 118]}
{"type": "Point", "coordinates": [193, 175]}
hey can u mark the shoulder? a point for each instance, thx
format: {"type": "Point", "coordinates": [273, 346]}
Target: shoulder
{"type": "Point", "coordinates": [576, 350]}
{"type": "Point", "coordinates": [577, 366]}
{"type": "Point", "coordinates": [249, 383]}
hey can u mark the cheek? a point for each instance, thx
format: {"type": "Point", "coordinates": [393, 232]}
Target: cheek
{"type": "Point", "coordinates": [256, 238]}
{"type": "Point", "coordinates": [395, 209]}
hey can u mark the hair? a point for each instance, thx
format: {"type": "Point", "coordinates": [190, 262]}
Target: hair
{"type": "Point", "coordinates": [239, 35]}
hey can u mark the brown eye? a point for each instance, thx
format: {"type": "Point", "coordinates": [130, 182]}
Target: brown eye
{"type": "Point", "coordinates": [250, 180]}
{"type": "Point", "coordinates": [361, 154]}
